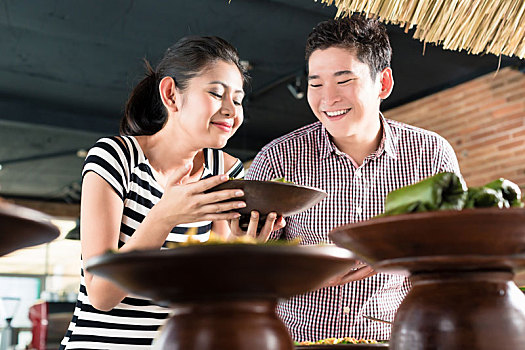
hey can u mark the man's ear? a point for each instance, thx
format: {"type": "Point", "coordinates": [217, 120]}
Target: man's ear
{"type": "Point", "coordinates": [167, 91]}
{"type": "Point", "coordinates": [386, 79]}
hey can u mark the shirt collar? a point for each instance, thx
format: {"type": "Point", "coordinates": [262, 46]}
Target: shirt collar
{"type": "Point", "coordinates": [326, 146]}
{"type": "Point", "coordinates": [388, 142]}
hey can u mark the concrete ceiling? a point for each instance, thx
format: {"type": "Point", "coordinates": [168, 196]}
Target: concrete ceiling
{"type": "Point", "coordinates": [67, 66]}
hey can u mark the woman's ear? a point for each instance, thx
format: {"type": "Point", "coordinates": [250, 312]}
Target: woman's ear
{"type": "Point", "coordinates": [386, 79]}
{"type": "Point", "coordinates": [168, 90]}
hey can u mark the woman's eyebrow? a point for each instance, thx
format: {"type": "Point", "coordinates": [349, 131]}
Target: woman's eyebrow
{"type": "Point", "coordinates": [226, 86]}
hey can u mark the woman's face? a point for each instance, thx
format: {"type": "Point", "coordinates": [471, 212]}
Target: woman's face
{"type": "Point", "coordinates": [210, 108]}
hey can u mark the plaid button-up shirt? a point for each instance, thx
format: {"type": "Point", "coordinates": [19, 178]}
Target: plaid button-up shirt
{"type": "Point", "coordinates": [308, 156]}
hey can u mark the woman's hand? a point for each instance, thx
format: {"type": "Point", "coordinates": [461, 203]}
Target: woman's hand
{"type": "Point", "coordinates": [187, 202]}
{"type": "Point", "coordinates": [272, 223]}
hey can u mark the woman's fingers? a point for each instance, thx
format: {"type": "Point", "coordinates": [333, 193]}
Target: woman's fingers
{"type": "Point", "coordinates": [212, 208]}
{"type": "Point", "coordinates": [235, 228]}
{"type": "Point", "coordinates": [269, 226]}
{"type": "Point", "coordinates": [252, 225]}
{"type": "Point", "coordinates": [209, 183]}
{"type": "Point", "coordinates": [200, 187]}
{"type": "Point", "coordinates": [221, 196]}
{"type": "Point", "coordinates": [178, 175]}
{"type": "Point", "coordinates": [222, 216]}
{"type": "Point", "coordinates": [189, 202]}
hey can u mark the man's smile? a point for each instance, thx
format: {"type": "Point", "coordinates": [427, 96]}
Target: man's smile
{"type": "Point", "coordinates": [336, 114]}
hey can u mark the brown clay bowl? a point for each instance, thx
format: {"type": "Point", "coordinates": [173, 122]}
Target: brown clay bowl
{"type": "Point", "coordinates": [223, 296]}
{"type": "Point", "coordinates": [22, 227]}
{"type": "Point", "coordinates": [470, 239]}
{"type": "Point", "coordinates": [223, 271]}
{"type": "Point", "coordinates": [269, 196]}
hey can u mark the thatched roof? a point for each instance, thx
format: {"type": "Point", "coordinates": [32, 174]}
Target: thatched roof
{"type": "Point", "coordinates": [477, 26]}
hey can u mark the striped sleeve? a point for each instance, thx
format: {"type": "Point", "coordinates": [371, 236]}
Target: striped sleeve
{"type": "Point", "coordinates": [236, 171]}
{"type": "Point", "coordinates": [109, 158]}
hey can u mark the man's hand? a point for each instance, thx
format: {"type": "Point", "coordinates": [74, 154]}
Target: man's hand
{"type": "Point", "coordinates": [356, 272]}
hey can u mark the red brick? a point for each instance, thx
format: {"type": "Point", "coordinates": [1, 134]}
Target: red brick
{"type": "Point", "coordinates": [493, 129]}
{"type": "Point", "coordinates": [510, 145]}
{"type": "Point", "coordinates": [516, 96]}
{"type": "Point", "coordinates": [518, 133]}
{"type": "Point", "coordinates": [509, 109]}
{"type": "Point", "coordinates": [484, 120]}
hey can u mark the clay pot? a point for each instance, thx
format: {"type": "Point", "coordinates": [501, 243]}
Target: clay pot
{"type": "Point", "coordinates": [461, 264]}
{"type": "Point", "coordinates": [224, 296]}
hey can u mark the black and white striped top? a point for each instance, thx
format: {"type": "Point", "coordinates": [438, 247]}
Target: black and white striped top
{"type": "Point", "coordinates": [134, 323]}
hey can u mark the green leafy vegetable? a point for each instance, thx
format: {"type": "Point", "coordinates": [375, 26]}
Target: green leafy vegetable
{"type": "Point", "coordinates": [483, 197]}
{"type": "Point", "coordinates": [445, 191]}
{"type": "Point", "coordinates": [442, 191]}
{"type": "Point", "coordinates": [509, 190]}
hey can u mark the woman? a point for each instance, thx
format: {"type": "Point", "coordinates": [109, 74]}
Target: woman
{"type": "Point", "coordinates": [147, 187]}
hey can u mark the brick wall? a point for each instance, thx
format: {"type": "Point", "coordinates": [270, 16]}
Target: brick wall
{"type": "Point", "coordinates": [484, 121]}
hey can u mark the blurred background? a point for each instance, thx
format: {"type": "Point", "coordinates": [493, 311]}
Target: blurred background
{"type": "Point", "coordinates": [67, 67]}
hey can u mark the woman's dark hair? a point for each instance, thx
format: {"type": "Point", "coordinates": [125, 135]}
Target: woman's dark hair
{"type": "Point", "coordinates": [144, 113]}
{"type": "Point", "coordinates": [366, 37]}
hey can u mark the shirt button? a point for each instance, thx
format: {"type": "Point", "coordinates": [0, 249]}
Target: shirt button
{"type": "Point", "coordinates": [358, 210]}
{"type": "Point", "coordinates": [358, 173]}
{"type": "Point", "coordinates": [346, 310]}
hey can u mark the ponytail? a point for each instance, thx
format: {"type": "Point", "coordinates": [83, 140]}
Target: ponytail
{"type": "Point", "coordinates": [144, 113]}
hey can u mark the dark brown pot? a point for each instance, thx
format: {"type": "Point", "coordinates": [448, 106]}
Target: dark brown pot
{"type": "Point", "coordinates": [461, 264]}
{"type": "Point", "coordinates": [458, 311]}
{"type": "Point", "coordinates": [225, 325]}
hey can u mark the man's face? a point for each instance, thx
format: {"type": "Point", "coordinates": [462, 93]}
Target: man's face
{"type": "Point", "coordinates": [342, 94]}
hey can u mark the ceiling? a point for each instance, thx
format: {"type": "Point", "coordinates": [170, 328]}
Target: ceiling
{"type": "Point", "coordinates": [67, 67]}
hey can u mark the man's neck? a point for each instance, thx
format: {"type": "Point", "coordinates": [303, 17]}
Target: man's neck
{"type": "Point", "coordinates": [359, 146]}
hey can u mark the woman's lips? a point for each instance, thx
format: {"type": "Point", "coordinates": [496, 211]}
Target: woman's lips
{"type": "Point", "coordinates": [226, 127]}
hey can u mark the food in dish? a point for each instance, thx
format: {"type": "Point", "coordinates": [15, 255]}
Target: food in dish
{"type": "Point", "coordinates": [216, 239]}
{"type": "Point", "coordinates": [445, 191]}
{"type": "Point", "coordinates": [345, 340]}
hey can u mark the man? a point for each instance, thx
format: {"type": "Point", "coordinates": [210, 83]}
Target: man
{"type": "Point", "coordinates": [357, 156]}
